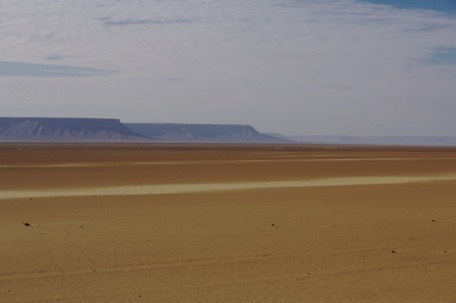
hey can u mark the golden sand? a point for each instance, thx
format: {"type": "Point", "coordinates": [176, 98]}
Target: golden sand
{"type": "Point", "coordinates": [226, 224]}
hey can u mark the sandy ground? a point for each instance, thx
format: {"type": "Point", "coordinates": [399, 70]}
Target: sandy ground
{"type": "Point", "coordinates": [226, 224]}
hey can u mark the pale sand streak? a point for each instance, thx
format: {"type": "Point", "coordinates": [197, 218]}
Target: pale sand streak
{"type": "Point", "coordinates": [208, 187]}
{"type": "Point", "coordinates": [280, 159]}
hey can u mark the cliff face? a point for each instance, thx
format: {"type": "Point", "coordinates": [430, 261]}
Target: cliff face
{"type": "Point", "coordinates": [65, 129]}
{"type": "Point", "coordinates": [174, 132]}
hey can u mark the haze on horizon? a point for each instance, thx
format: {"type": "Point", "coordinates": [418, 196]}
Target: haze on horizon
{"type": "Point", "coordinates": [291, 66]}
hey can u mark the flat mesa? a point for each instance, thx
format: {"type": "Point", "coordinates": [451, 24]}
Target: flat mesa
{"type": "Point", "coordinates": [226, 223]}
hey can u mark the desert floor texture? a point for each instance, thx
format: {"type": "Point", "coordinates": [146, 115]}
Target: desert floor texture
{"type": "Point", "coordinates": [226, 223]}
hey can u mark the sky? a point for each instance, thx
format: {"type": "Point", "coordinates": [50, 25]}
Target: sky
{"type": "Point", "coordinates": [296, 67]}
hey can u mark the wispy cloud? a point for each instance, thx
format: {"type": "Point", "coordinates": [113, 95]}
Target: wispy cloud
{"type": "Point", "coordinates": [443, 56]}
{"type": "Point", "coordinates": [443, 6]}
{"type": "Point", "coordinates": [144, 22]}
{"type": "Point", "coordinates": [23, 69]}
{"type": "Point", "coordinates": [277, 64]}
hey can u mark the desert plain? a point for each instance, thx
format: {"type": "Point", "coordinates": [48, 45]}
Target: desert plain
{"type": "Point", "coordinates": [226, 223]}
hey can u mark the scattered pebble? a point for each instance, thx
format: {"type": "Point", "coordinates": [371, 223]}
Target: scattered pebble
{"type": "Point", "coordinates": [393, 251]}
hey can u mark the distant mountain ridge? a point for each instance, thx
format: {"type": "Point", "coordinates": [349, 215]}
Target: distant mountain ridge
{"type": "Point", "coordinates": [37, 129]}
{"type": "Point", "coordinates": [177, 132]}
{"type": "Point", "coordinates": [65, 130]}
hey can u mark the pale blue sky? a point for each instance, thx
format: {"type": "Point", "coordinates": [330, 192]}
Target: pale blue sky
{"type": "Point", "coordinates": [443, 6]}
{"type": "Point", "coordinates": [291, 66]}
